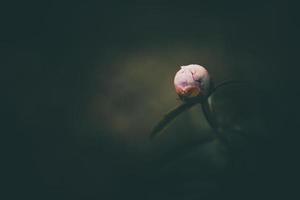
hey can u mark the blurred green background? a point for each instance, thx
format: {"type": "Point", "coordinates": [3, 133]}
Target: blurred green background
{"type": "Point", "coordinates": [86, 82]}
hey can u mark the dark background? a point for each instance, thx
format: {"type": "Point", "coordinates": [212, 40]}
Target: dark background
{"type": "Point", "coordinates": [84, 83]}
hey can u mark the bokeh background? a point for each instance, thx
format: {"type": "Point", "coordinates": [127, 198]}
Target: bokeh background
{"type": "Point", "coordinates": [85, 82]}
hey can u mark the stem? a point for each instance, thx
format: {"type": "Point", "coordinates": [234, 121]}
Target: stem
{"type": "Point", "coordinates": [214, 89]}
{"type": "Point", "coordinates": [207, 111]}
{"type": "Point", "coordinates": [172, 115]}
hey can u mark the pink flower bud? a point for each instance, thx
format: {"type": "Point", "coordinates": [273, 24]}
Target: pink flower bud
{"type": "Point", "coordinates": [192, 81]}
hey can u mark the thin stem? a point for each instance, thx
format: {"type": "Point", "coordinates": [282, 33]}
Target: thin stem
{"type": "Point", "coordinates": [214, 89]}
{"type": "Point", "coordinates": [188, 104]}
{"type": "Point", "coordinates": [172, 115]}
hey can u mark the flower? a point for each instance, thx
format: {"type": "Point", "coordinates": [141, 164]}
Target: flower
{"type": "Point", "coordinates": [192, 81]}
